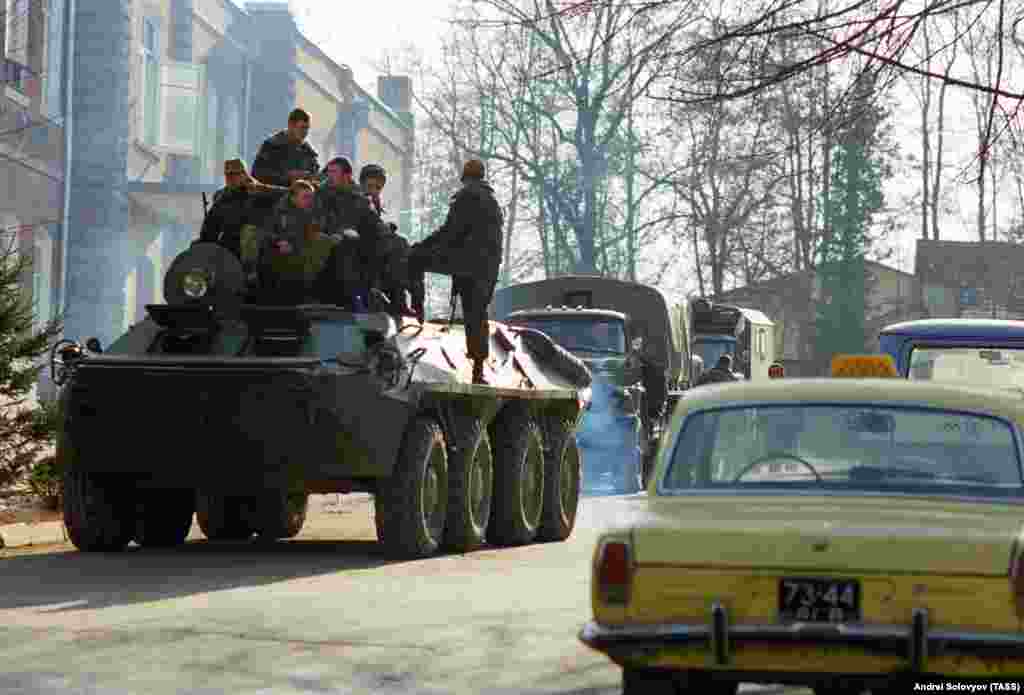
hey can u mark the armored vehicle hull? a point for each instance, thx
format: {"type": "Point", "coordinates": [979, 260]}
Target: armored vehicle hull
{"type": "Point", "coordinates": [237, 413]}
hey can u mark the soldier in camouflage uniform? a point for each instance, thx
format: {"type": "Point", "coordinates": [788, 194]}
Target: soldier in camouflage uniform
{"type": "Point", "coordinates": [355, 265]}
{"type": "Point", "coordinates": [238, 211]}
{"type": "Point", "coordinates": [286, 157]}
{"type": "Point", "coordinates": [468, 247]}
{"type": "Point", "coordinates": [294, 250]}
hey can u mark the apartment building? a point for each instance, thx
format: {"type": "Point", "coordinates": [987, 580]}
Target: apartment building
{"type": "Point", "coordinates": [32, 140]}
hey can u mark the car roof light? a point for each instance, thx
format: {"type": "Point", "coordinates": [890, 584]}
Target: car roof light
{"type": "Point", "coordinates": [863, 366]}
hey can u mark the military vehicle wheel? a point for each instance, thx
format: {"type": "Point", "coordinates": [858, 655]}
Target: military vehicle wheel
{"type": "Point", "coordinates": [562, 477]}
{"type": "Point", "coordinates": [164, 518]}
{"type": "Point", "coordinates": [411, 506]}
{"type": "Point", "coordinates": [221, 518]}
{"type": "Point", "coordinates": [518, 479]}
{"type": "Point", "coordinates": [280, 514]}
{"type": "Point", "coordinates": [470, 491]}
{"type": "Point", "coordinates": [97, 514]}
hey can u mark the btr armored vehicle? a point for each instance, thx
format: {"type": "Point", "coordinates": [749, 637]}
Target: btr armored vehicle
{"type": "Point", "coordinates": [236, 412]}
{"type": "Point", "coordinates": [623, 331]}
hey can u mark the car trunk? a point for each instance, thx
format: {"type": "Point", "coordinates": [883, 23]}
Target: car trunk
{"type": "Point", "coordinates": [949, 557]}
{"type": "Point", "coordinates": [843, 533]}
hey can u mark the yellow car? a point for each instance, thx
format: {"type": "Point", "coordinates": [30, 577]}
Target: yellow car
{"type": "Point", "coordinates": [844, 534]}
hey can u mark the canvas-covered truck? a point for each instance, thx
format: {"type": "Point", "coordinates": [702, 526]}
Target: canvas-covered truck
{"type": "Point", "coordinates": [623, 331]}
{"type": "Point", "coordinates": [237, 412]}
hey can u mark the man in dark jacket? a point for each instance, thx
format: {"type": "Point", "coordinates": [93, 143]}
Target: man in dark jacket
{"type": "Point", "coordinates": [294, 251]}
{"type": "Point", "coordinates": [720, 373]}
{"type": "Point", "coordinates": [286, 157]}
{"type": "Point", "coordinates": [468, 247]}
{"type": "Point", "coordinates": [347, 217]}
{"type": "Point", "coordinates": [238, 210]}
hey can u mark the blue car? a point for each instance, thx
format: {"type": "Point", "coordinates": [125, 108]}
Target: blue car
{"type": "Point", "coordinates": [975, 352]}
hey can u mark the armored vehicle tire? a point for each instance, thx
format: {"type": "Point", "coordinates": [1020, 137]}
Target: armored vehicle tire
{"type": "Point", "coordinates": [279, 514]}
{"type": "Point", "coordinates": [470, 491]}
{"type": "Point", "coordinates": [164, 518]}
{"type": "Point", "coordinates": [221, 518]}
{"type": "Point", "coordinates": [518, 479]}
{"type": "Point", "coordinates": [412, 505]}
{"type": "Point", "coordinates": [97, 513]}
{"type": "Point", "coordinates": [562, 479]}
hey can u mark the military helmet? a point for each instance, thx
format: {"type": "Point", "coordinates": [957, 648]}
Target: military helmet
{"type": "Point", "coordinates": [372, 171]}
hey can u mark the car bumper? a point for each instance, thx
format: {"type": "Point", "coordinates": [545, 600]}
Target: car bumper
{"type": "Point", "coordinates": [809, 649]}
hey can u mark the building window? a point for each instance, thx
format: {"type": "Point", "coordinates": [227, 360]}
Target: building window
{"type": "Point", "coordinates": [54, 77]}
{"type": "Point", "coordinates": [16, 19]}
{"type": "Point", "coordinates": [179, 98]}
{"type": "Point", "coordinates": [149, 94]}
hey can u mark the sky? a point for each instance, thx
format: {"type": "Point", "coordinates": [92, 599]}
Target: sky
{"type": "Point", "coordinates": [360, 34]}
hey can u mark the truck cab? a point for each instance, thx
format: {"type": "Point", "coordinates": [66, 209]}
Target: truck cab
{"type": "Point", "coordinates": [721, 329]}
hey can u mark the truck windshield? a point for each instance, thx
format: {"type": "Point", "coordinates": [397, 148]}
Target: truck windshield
{"type": "Point", "coordinates": [584, 334]}
{"type": "Point", "coordinates": [711, 350]}
{"type": "Point", "coordinates": [1001, 368]}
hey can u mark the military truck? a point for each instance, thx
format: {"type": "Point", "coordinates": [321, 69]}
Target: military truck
{"type": "Point", "coordinates": [237, 412]}
{"type": "Point", "coordinates": [721, 329]}
{"type": "Point", "coordinates": [624, 332]}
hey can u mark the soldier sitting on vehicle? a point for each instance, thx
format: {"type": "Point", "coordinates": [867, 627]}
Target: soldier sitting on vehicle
{"type": "Point", "coordinates": [358, 264]}
{"type": "Point", "coordinates": [389, 259]}
{"type": "Point", "coordinates": [238, 211]}
{"type": "Point", "coordinates": [286, 157]}
{"type": "Point", "coordinates": [294, 251]}
{"type": "Point", "coordinates": [720, 373]}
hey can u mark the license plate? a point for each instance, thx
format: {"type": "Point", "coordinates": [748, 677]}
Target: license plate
{"type": "Point", "coordinates": [817, 600]}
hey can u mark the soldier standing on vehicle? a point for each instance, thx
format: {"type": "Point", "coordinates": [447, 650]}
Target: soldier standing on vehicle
{"type": "Point", "coordinates": [720, 373]}
{"type": "Point", "coordinates": [237, 211]}
{"type": "Point", "coordinates": [294, 250]}
{"type": "Point", "coordinates": [286, 157]}
{"type": "Point", "coordinates": [467, 247]}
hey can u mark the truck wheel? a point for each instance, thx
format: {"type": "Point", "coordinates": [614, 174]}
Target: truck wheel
{"type": "Point", "coordinates": [562, 477]}
{"type": "Point", "coordinates": [97, 515]}
{"type": "Point", "coordinates": [280, 514]}
{"type": "Point", "coordinates": [470, 490]}
{"type": "Point", "coordinates": [221, 518]}
{"type": "Point", "coordinates": [518, 479]}
{"type": "Point", "coordinates": [411, 507]}
{"type": "Point", "coordinates": [164, 518]}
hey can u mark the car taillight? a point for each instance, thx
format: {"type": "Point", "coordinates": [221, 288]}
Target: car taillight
{"type": "Point", "coordinates": [614, 572]}
{"type": "Point", "coordinates": [1017, 578]}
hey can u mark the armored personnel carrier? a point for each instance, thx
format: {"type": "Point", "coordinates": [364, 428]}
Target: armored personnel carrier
{"type": "Point", "coordinates": [236, 413]}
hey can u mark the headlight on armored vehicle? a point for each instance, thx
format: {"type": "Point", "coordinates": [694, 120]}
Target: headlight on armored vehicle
{"type": "Point", "coordinates": [195, 283]}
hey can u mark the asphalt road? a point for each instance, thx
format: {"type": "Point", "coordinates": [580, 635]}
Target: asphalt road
{"type": "Point", "coordinates": [323, 613]}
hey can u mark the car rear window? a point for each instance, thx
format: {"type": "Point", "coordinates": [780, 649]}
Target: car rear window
{"type": "Point", "coordinates": [846, 446]}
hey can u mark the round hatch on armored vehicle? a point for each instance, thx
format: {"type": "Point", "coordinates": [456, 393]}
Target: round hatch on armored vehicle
{"type": "Point", "coordinates": [204, 273]}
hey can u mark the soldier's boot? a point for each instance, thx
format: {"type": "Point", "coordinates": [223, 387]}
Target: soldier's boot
{"type": "Point", "coordinates": [478, 372]}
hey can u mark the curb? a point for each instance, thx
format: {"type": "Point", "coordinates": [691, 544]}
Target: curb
{"type": "Point", "coordinates": [40, 533]}
{"type": "Point", "coordinates": [24, 534]}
